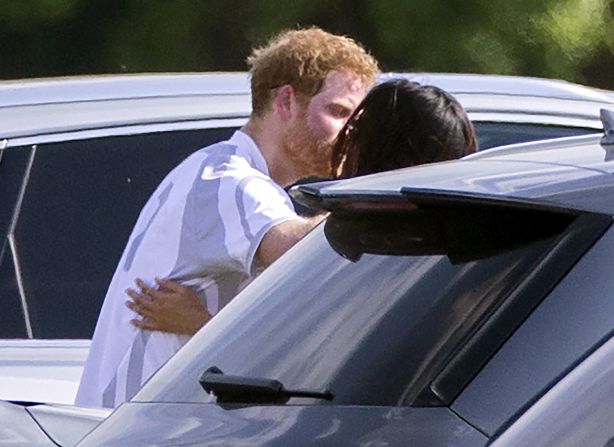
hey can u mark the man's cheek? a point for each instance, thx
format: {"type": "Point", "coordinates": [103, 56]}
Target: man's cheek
{"type": "Point", "coordinates": [328, 129]}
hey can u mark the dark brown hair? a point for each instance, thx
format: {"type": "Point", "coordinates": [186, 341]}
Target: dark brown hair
{"type": "Point", "coordinates": [400, 124]}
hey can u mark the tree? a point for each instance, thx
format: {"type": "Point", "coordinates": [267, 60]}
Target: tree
{"type": "Point", "coordinates": [567, 39]}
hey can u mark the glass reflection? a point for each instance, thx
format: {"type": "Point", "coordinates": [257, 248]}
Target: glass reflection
{"type": "Point", "coordinates": [367, 330]}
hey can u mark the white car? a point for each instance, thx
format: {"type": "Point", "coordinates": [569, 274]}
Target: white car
{"type": "Point", "coordinates": [79, 157]}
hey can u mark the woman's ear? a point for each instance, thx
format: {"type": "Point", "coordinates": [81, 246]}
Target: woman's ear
{"type": "Point", "coordinates": [285, 102]}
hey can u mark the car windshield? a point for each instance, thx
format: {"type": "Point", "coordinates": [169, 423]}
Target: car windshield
{"type": "Point", "coordinates": [365, 305]}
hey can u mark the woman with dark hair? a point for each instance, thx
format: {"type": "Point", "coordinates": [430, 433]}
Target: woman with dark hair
{"type": "Point", "coordinates": [398, 124]}
{"type": "Point", "coordinates": [401, 124]}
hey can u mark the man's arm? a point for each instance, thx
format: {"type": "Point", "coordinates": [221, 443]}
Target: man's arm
{"type": "Point", "coordinates": [282, 237]}
{"type": "Point", "coordinates": [176, 308]}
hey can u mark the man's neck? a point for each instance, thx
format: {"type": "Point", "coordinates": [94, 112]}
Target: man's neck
{"type": "Point", "coordinates": [268, 139]}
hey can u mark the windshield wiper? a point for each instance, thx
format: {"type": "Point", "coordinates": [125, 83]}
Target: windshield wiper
{"type": "Point", "coordinates": [238, 389]}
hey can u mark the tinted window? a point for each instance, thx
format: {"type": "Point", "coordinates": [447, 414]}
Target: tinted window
{"type": "Point", "coordinates": [12, 168]}
{"type": "Point", "coordinates": [569, 323]}
{"type": "Point", "coordinates": [80, 205]}
{"type": "Point", "coordinates": [372, 318]}
{"type": "Point", "coordinates": [12, 321]}
{"type": "Point", "coordinates": [13, 163]}
{"type": "Point", "coordinates": [499, 134]}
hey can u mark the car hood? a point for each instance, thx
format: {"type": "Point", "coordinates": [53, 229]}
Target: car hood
{"type": "Point", "coordinates": [38, 425]}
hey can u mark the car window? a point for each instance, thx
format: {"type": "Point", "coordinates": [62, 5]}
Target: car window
{"type": "Point", "coordinates": [368, 305]}
{"type": "Point", "coordinates": [12, 318]}
{"type": "Point", "coordinates": [13, 165]}
{"type": "Point", "coordinates": [567, 325]}
{"type": "Point", "coordinates": [78, 210]}
{"type": "Point", "coordinates": [493, 134]}
{"type": "Point", "coordinates": [12, 168]}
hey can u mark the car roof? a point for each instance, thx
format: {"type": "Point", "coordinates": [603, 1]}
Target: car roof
{"type": "Point", "coordinates": [505, 85]}
{"type": "Point", "coordinates": [57, 105]}
{"type": "Point", "coordinates": [573, 173]}
{"type": "Point", "coordinates": [128, 86]}
{"type": "Point", "coordinates": [49, 106]}
{"type": "Point", "coordinates": [101, 87]}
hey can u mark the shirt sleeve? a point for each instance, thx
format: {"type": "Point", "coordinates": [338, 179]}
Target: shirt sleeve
{"type": "Point", "coordinates": [233, 210]}
{"type": "Point", "coordinates": [261, 205]}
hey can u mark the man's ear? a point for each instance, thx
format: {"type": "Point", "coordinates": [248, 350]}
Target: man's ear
{"type": "Point", "coordinates": [285, 102]}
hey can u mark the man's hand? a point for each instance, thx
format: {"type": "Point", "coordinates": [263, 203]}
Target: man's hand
{"type": "Point", "coordinates": [172, 307]}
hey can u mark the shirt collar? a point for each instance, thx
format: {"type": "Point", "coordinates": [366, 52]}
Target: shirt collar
{"type": "Point", "coordinates": [246, 144]}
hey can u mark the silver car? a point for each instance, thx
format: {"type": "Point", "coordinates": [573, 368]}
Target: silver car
{"type": "Point", "coordinates": [79, 157]}
{"type": "Point", "coordinates": [466, 303]}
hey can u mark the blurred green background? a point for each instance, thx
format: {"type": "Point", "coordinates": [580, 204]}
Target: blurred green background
{"type": "Point", "coordinates": [565, 39]}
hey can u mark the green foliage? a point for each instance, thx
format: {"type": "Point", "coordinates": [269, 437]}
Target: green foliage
{"type": "Point", "coordinates": [545, 38]}
{"type": "Point", "coordinates": [29, 13]}
{"type": "Point", "coordinates": [568, 39]}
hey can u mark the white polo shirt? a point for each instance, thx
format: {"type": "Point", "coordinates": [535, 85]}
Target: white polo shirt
{"type": "Point", "coordinates": [201, 227]}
